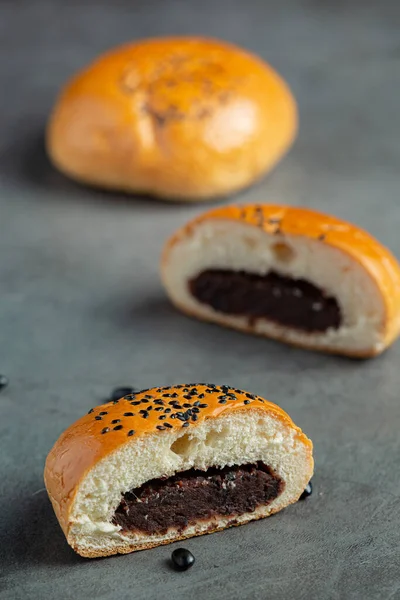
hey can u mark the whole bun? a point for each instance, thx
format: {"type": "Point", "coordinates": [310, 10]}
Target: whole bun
{"type": "Point", "coordinates": [177, 118]}
{"type": "Point", "coordinates": [292, 274]}
{"type": "Point", "coordinates": [173, 462]}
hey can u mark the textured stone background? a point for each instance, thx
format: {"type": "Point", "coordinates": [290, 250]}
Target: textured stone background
{"type": "Point", "coordinates": [82, 309]}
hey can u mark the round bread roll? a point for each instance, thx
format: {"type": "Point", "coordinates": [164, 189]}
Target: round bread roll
{"type": "Point", "coordinates": [291, 274]}
{"type": "Point", "coordinates": [178, 118]}
{"type": "Point", "coordinates": [173, 462]}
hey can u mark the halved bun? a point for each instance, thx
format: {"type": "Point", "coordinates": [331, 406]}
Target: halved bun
{"type": "Point", "coordinates": [182, 118]}
{"type": "Point", "coordinates": [292, 274]}
{"type": "Point", "coordinates": [122, 446]}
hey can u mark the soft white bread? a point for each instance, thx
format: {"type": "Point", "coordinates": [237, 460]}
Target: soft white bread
{"type": "Point", "coordinates": [350, 269]}
{"type": "Point", "coordinates": [111, 451]}
{"type": "Point", "coordinates": [182, 118]}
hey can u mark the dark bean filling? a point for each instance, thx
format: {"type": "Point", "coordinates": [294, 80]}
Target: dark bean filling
{"type": "Point", "coordinates": [194, 495]}
{"type": "Point", "coordinates": [290, 302]}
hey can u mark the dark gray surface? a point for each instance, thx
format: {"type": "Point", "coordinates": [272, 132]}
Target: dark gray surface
{"type": "Point", "coordinates": [82, 309]}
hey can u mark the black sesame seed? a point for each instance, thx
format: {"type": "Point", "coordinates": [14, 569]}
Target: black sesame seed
{"type": "Point", "coordinates": [194, 417]}
{"type": "Point", "coordinates": [222, 397]}
{"type": "Point", "coordinates": [180, 417]}
{"type": "Point", "coordinates": [201, 396]}
{"type": "Point", "coordinates": [159, 409]}
{"type": "Point", "coordinates": [129, 414]}
{"type": "Point", "coordinates": [174, 395]}
{"type": "Point", "coordinates": [149, 396]}
{"type": "Point", "coordinates": [159, 402]}
{"type": "Point", "coordinates": [99, 418]}
{"type": "Point", "coordinates": [186, 424]}
{"type": "Point", "coordinates": [145, 414]}
{"type": "Point", "coordinates": [203, 405]}
{"type": "Point", "coordinates": [186, 405]}
{"type": "Point", "coordinates": [172, 417]}
{"type": "Point", "coordinates": [168, 425]}
{"type": "Point", "coordinates": [222, 401]}
{"type": "Point", "coordinates": [90, 411]}
{"type": "Point", "coordinates": [136, 403]}
{"type": "Point", "coordinates": [149, 408]}
{"type": "Point", "coordinates": [251, 396]}
{"type": "Point", "coordinates": [195, 409]}
{"type": "Point", "coordinates": [116, 421]}
{"type": "Point", "coordinates": [162, 417]}
{"type": "Point", "coordinates": [167, 410]}
{"type": "Point", "coordinates": [182, 559]}
{"type": "Point", "coordinates": [186, 416]}
{"type": "Point", "coordinates": [131, 432]}
{"type": "Point", "coordinates": [187, 397]}
{"type": "Point", "coordinates": [160, 427]}
{"type": "Point", "coordinates": [185, 389]}
{"type": "Point", "coordinates": [117, 427]}
{"type": "Point", "coordinates": [247, 402]}
{"type": "Point", "coordinates": [142, 411]}
{"type": "Point", "coordinates": [130, 397]}
{"type": "Point", "coordinates": [105, 430]}
{"type": "Point", "coordinates": [3, 381]}
{"type": "Point", "coordinates": [167, 395]}
{"type": "Point", "coordinates": [307, 492]}
{"type": "Point", "coordinates": [103, 412]}
{"type": "Point", "coordinates": [196, 403]}
{"type": "Point", "coordinates": [172, 402]}
{"type": "Point", "coordinates": [145, 401]}
{"type": "Point", "coordinates": [120, 392]}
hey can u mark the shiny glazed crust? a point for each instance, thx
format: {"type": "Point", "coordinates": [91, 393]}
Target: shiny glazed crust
{"type": "Point", "coordinates": [366, 251]}
{"type": "Point", "coordinates": [181, 118]}
{"type": "Point", "coordinates": [83, 445]}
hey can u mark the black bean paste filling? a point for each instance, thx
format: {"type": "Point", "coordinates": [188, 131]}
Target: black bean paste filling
{"type": "Point", "coordinates": [194, 495]}
{"type": "Point", "coordinates": [291, 302]}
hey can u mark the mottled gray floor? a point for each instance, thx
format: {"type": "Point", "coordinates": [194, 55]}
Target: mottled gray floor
{"type": "Point", "coordinates": [82, 309]}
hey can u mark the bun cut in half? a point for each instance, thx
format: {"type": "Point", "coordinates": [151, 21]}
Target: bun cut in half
{"type": "Point", "coordinates": [291, 274]}
{"type": "Point", "coordinates": [178, 118]}
{"type": "Point", "coordinates": [173, 462]}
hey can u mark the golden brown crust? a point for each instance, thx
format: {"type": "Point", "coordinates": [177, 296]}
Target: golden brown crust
{"type": "Point", "coordinates": [375, 258]}
{"type": "Point", "coordinates": [84, 444]}
{"type": "Point", "coordinates": [184, 118]}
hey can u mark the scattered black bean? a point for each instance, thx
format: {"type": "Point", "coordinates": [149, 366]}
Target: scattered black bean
{"type": "Point", "coordinates": [120, 392]}
{"type": "Point", "coordinates": [307, 492]}
{"type": "Point", "coordinates": [182, 559]}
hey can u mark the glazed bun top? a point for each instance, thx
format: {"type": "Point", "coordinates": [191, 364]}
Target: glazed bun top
{"type": "Point", "coordinates": [180, 117]}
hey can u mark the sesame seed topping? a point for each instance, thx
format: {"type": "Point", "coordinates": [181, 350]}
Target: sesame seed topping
{"type": "Point", "coordinates": [196, 403]}
{"type": "Point", "coordinates": [90, 411]}
{"type": "Point", "coordinates": [117, 427]}
{"type": "Point", "coordinates": [187, 397]}
{"type": "Point", "coordinates": [131, 432]}
{"type": "Point", "coordinates": [149, 395]}
{"type": "Point", "coordinates": [168, 395]}
{"type": "Point", "coordinates": [129, 414]}
{"type": "Point", "coordinates": [103, 412]}
{"type": "Point", "coordinates": [222, 401]}
{"type": "Point", "coordinates": [99, 418]}
{"type": "Point", "coordinates": [168, 425]}
{"type": "Point", "coordinates": [201, 396]}
{"type": "Point", "coordinates": [145, 414]}
{"type": "Point", "coordinates": [186, 405]}
{"type": "Point", "coordinates": [203, 405]}
{"type": "Point", "coordinates": [174, 395]}
{"type": "Point", "coordinates": [195, 409]}
{"type": "Point", "coordinates": [145, 401]}
{"type": "Point", "coordinates": [194, 417]}
{"type": "Point", "coordinates": [186, 424]}
{"type": "Point", "coordinates": [180, 417]}
{"type": "Point", "coordinates": [116, 421]}
{"type": "Point", "coordinates": [136, 403]}
{"type": "Point", "coordinates": [105, 430]}
{"type": "Point", "coordinates": [160, 427]}
{"type": "Point", "coordinates": [162, 417]}
{"type": "Point", "coordinates": [247, 402]}
{"type": "Point", "coordinates": [167, 410]}
{"type": "Point", "coordinates": [158, 408]}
